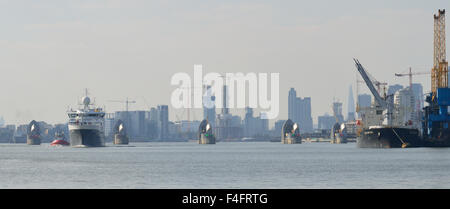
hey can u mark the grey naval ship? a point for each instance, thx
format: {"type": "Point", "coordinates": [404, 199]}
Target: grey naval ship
{"type": "Point", "coordinates": [86, 125]}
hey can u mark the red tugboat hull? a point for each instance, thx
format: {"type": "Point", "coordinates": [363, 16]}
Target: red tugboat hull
{"type": "Point", "coordinates": [59, 142]}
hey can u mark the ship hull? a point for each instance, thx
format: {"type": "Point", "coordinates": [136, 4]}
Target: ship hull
{"type": "Point", "coordinates": [86, 138]}
{"type": "Point", "coordinates": [441, 140]}
{"type": "Point", "coordinates": [386, 137]}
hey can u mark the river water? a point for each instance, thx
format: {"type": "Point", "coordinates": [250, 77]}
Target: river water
{"type": "Point", "coordinates": [250, 165]}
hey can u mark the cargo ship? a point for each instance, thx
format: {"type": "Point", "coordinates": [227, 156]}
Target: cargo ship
{"type": "Point", "coordinates": [383, 125]}
{"type": "Point", "coordinates": [86, 125]}
{"type": "Point", "coordinates": [434, 131]}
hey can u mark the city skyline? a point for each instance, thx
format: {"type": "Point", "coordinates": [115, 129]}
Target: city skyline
{"type": "Point", "coordinates": [51, 55]}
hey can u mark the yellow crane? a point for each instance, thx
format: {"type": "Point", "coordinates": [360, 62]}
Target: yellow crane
{"type": "Point", "coordinates": [439, 72]}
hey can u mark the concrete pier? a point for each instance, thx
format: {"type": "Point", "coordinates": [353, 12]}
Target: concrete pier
{"type": "Point", "coordinates": [120, 139]}
{"type": "Point", "coordinates": [33, 133]}
{"type": "Point", "coordinates": [205, 134]}
{"type": "Point", "coordinates": [290, 133]}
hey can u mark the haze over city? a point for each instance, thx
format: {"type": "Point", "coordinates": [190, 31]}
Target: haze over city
{"type": "Point", "coordinates": [120, 49]}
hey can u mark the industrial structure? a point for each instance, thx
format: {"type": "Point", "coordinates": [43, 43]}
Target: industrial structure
{"type": "Point", "coordinates": [436, 118]}
{"type": "Point", "coordinates": [290, 133]}
{"type": "Point", "coordinates": [120, 136]}
{"type": "Point", "coordinates": [205, 133]}
{"type": "Point", "coordinates": [439, 72]}
{"type": "Point", "coordinates": [33, 133]}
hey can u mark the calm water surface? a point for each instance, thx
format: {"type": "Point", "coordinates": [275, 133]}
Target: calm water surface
{"type": "Point", "coordinates": [223, 165]}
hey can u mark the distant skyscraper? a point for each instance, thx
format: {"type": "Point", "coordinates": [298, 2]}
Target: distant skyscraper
{"type": "Point", "coordinates": [209, 101]}
{"type": "Point", "coordinates": [109, 124]}
{"type": "Point", "coordinates": [254, 126]}
{"type": "Point", "coordinates": [135, 121]}
{"type": "Point", "coordinates": [418, 95]}
{"type": "Point", "coordinates": [292, 105]}
{"type": "Point", "coordinates": [337, 111]}
{"type": "Point", "coordinates": [405, 102]}
{"type": "Point", "coordinates": [299, 111]}
{"type": "Point", "coordinates": [350, 106]}
{"type": "Point", "coordinates": [394, 88]}
{"type": "Point", "coordinates": [153, 123]}
{"type": "Point", "coordinates": [278, 126]}
{"type": "Point", "coordinates": [249, 122]}
{"type": "Point", "coordinates": [326, 122]}
{"type": "Point", "coordinates": [364, 100]}
{"type": "Point", "coordinates": [163, 119]}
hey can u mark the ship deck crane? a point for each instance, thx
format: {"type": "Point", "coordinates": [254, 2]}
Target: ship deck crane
{"type": "Point", "coordinates": [371, 85]}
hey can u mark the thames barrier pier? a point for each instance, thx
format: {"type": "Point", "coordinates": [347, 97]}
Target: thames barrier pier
{"type": "Point", "coordinates": [339, 134]}
{"type": "Point", "coordinates": [120, 136]}
{"type": "Point", "coordinates": [290, 133]}
{"type": "Point", "coordinates": [33, 133]}
{"type": "Point", "coordinates": [205, 134]}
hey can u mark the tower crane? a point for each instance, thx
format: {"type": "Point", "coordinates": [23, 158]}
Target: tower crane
{"type": "Point", "coordinates": [410, 74]}
{"type": "Point", "coordinates": [127, 102]}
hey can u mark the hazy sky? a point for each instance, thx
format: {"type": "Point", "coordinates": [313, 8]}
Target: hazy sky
{"type": "Point", "coordinates": [51, 50]}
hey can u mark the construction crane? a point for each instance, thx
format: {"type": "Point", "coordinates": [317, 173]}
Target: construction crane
{"type": "Point", "coordinates": [410, 74]}
{"type": "Point", "coordinates": [127, 102]}
{"type": "Point", "coordinates": [439, 72]}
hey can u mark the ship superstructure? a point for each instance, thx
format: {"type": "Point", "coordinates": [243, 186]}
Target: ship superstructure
{"type": "Point", "coordinates": [86, 125]}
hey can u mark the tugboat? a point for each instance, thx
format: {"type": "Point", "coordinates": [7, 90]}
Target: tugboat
{"type": "Point", "coordinates": [86, 125]}
{"type": "Point", "coordinates": [59, 140]}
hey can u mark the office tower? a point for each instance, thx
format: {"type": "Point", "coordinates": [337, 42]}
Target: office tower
{"type": "Point", "coordinates": [209, 107]}
{"type": "Point", "coordinates": [364, 100]}
{"type": "Point", "coordinates": [277, 127]}
{"type": "Point", "coordinates": [163, 121]}
{"type": "Point", "coordinates": [326, 122]}
{"type": "Point", "coordinates": [350, 106]}
{"type": "Point", "coordinates": [337, 112]}
{"type": "Point", "coordinates": [418, 95]}
{"type": "Point", "coordinates": [393, 88]}
{"type": "Point", "coordinates": [299, 111]}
